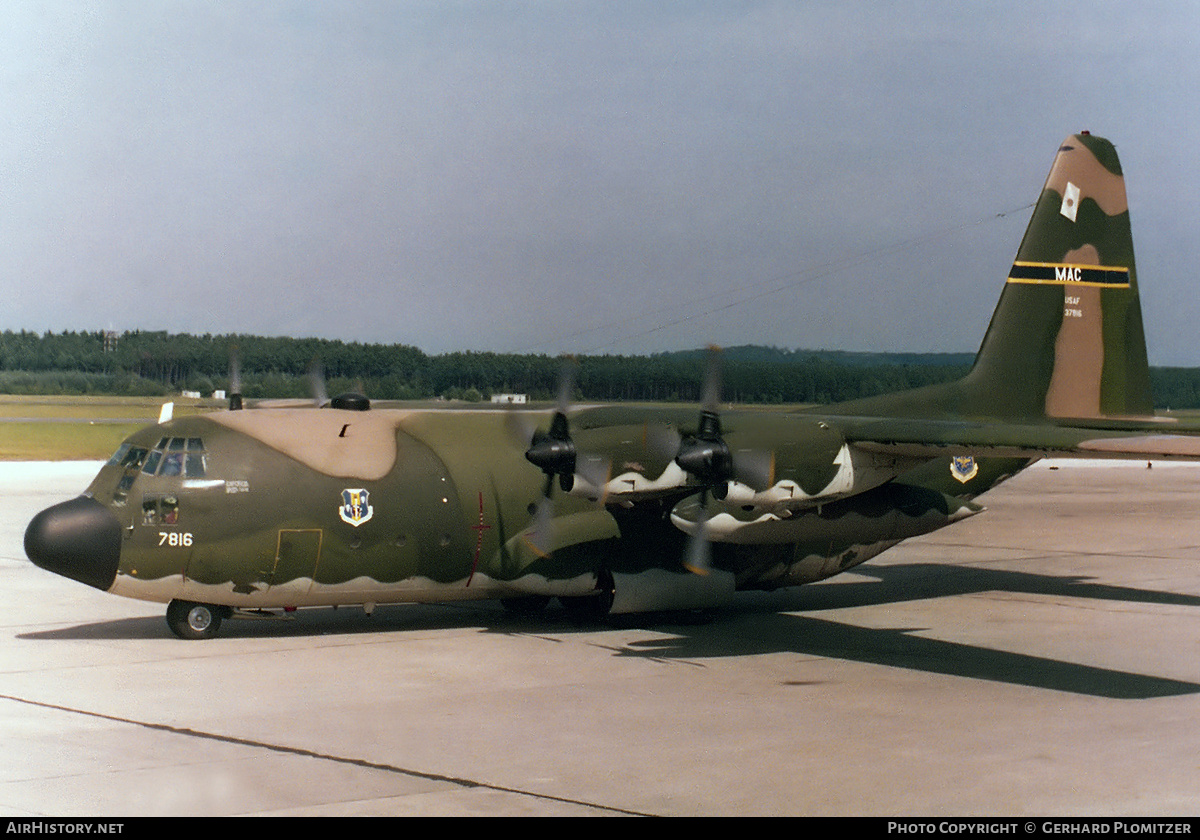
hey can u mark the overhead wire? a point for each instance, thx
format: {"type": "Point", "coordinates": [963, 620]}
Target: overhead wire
{"type": "Point", "coordinates": [773, 285]}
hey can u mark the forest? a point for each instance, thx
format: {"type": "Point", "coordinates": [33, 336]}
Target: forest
{"type": "Point", "coordinates": [147, 363]}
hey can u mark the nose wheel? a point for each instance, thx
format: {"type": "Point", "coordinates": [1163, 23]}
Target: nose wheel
{"type": "Point", "coordinates": [190, 620]}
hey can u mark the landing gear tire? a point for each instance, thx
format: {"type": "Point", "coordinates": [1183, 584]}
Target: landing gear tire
{"type": "Point", "coordinates": [190, 620]}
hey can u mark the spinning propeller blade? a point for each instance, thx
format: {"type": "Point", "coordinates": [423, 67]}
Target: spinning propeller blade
{"type": "Point", "coordinates": [316, 382]}
{"type": "Point", "coordinates": [707, 458]}
{"type": "Point", "coordinates": [699, 551]}
{"type": "Point", "coordinates": [235, 380]}
{"type": "Point", "coordinates": [554, 453]}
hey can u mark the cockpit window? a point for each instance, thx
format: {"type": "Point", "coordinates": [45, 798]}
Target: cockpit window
{"type": "Point", "coordinates": [172, 464]}
{"type": "Point", "coordinates": [177, 456]}
{"type": "Point", "coordinates": [130, 458]}
{"type": "Point", "coordinates": [133, 457]}
{"type": "Point", "coordinates": [152, 462]}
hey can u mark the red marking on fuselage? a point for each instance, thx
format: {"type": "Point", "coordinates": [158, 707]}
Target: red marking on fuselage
{"type": "Point", "coordinates": [478, 529]}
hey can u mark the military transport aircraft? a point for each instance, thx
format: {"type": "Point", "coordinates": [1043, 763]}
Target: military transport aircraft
{"type": "Point", "coordinates": [617, 509]}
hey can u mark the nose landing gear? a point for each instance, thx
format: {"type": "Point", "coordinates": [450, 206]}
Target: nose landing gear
{"type": "Point", "coordinates": [190, 620]}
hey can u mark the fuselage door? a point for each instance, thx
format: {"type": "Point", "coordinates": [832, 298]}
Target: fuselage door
{"type": "Point", "coordinates": [297, 552]}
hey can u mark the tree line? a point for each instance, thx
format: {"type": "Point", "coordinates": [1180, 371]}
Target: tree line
{"type": "Point", "coordinates": [158, 363]}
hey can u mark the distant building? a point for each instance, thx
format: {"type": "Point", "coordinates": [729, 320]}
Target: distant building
{"type": "Point", "coordinates": [510, 399]}
{"type": "Point", "coordinates": [111, 337]}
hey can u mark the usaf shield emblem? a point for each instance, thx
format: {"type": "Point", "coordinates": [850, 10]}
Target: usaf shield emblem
{"type": "Point", "coordinates": [355, 509]}
{"type": "Point", "coordinates": [963, 467]}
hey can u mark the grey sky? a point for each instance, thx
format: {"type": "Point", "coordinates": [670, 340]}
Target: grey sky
{"type": "Point", "coordinates": [577, 177]}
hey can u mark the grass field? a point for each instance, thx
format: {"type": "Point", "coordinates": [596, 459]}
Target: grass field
{"type": "Point", "coordinates": [77, 428]}
{"type": "Point", "coordinates": [61, 441]}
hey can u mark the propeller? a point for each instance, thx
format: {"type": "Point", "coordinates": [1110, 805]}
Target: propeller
{"type": "Point", "coordinates": [350, 401]}
{"type": "Point", "coordinates": [705, 455]}
{"type": "Point", "coordinates": [554, 453]}
{"type": "Point", "coordinates": [707, 458]}
{"type": "Point", "coordinates": [235, 380]}
{"type": "Point", "coordinates": [316, 382]}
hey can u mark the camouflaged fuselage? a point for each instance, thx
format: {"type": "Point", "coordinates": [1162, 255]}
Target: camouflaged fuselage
{"type": "Point", "coordinates": [296, 507]}
{"type": "Point", "coordinates": [446, 502]}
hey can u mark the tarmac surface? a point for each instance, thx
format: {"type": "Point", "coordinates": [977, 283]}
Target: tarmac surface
{"type": "Point", "coordinates": [1042, 658]}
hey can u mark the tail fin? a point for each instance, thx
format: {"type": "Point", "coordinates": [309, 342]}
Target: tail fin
{"type": "Point", "coordinates": [1066, 339]}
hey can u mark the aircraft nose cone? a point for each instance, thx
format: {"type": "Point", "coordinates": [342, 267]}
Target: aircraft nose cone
{"type": "Point", "coordinates": [79, 539]}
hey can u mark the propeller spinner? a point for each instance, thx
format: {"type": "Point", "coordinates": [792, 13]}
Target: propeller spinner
{"type": "Point", "coordinates": [553, 452]}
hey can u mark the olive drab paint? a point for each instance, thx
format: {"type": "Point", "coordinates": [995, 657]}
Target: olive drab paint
{"type": "Point", "coordinates": [352, 503]}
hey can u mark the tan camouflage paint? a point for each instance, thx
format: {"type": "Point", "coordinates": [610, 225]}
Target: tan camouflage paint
{"type": "Point", "coordinates": [359, 445]}
{"type": "Point", "coordinates": [1080, 166]}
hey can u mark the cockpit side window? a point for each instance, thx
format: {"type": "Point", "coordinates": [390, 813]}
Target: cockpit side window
{"type": "Point", "coordinates": [130, 458]}
{"type": "Point", "coordinates": [119, 456]}
{"type": "Point", "coordinates": [134, 457]}
{"type": "Point", "coordinates": [160, 510]}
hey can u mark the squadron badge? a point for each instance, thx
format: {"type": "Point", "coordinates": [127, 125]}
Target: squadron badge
{"type": "Point", "coordinates": [355, 509]}
{"type": "Point", "coordinates": [963, 468]}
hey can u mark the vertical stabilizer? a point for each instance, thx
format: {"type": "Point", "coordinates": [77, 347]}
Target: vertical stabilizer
{"type": "Point", "coordinates": [1066, 339]}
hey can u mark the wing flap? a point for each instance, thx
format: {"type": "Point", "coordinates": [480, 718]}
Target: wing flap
{"type": "Point", "coordinates": [933, 438]}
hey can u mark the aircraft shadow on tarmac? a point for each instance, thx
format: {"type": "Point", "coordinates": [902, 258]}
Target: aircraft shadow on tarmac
{"type": "Point", "coordinates": [894, 584]}
{"type": "Point", "coordinates": [900, 647]}
{"type": "Point", "coordinates": [309, 622]}
{"type": "Point", "coordinates": [763, 623]}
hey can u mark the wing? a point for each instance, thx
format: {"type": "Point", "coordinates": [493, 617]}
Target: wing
{"type": "Point", "coordinates": [1062, 371]}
